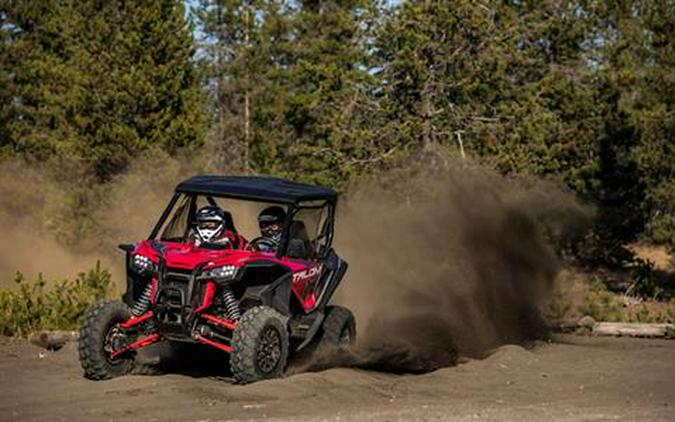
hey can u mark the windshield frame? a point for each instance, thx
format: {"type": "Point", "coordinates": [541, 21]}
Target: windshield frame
{"type": "Point", "coordinates": [291, 210]}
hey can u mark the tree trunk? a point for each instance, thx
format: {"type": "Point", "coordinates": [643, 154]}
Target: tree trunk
{"type": "Point", "coordinates": [247, 100]}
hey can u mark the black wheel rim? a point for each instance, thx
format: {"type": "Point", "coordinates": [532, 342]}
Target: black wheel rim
{"type": "Point", "coordinates": [113, 338]}
{"type": "Point", "coordinates": [268, 352]}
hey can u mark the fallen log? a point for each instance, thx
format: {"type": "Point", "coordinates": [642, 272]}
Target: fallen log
{"type": "Point", "coordinates": [588, 326]}
{"type": "Point", "coordinates": [632, 329]}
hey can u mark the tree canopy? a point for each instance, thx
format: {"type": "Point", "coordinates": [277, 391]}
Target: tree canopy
{"type": "Point", "coordinates": [91, 84]}
{"type": "Point", "coordinates": [326, 91]}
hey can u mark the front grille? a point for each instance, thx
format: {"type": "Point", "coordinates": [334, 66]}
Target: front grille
{"type": "Point", "coordinates": [176, 283]}
{"type": "Point", "coordinates": [173, 298]}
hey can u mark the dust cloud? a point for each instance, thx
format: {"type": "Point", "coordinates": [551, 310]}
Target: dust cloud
{"type": "Point", "coordinates": [59, 228]}
{"type": "Point", "coordinates": [29, 202]}
{"type": "Point", "coordinates": [449, 262]}
{"type": "Point", "coordinates": [443, 262]}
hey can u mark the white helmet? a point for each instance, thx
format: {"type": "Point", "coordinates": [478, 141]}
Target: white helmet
{"type": "Point", "coordinates": [210, 222]}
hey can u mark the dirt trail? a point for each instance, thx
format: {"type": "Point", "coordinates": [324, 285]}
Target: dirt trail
{"type": "Point", "coordinates": [573, 379]}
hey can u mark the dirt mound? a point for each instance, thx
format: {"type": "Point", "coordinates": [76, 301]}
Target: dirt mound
{"type": "Point", "coordinates": [510, 354]}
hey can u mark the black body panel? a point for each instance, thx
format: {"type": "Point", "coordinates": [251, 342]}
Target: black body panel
{"type": "Point", "coordinates": [135, 283]}
{"type": "Point", "coordinates": [256, 188]}
{"type": "Point", "coordinates": [276, 294]}
{"type": "Point", "coordinates": [336, 268]}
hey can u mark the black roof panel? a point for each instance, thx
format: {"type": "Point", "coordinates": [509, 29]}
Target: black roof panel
{"type": "Point", "coordinates": [256, 188]}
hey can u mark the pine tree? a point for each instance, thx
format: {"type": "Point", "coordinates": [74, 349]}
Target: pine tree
{"type": "Point", "coordinates": [36, 78]}
{"type": "Point", "coordinates": [506, 82]}
{"type": "Point", "coordinates": [291, 82]}
{"type": "Point", "coordinates": [655, 154]}
{"type": "Point", "coordinates": [327, 131]}
{"type": "Point", "coordinates": [94, 84]}
{"type": "Point", "coordinates": [552, 94]}
{"type": "Point", "coordinates": [433, 63]}
{"type": "Point", "coordinates": [230, 33]}
{"type": "Point", "coordinates": [636, 79]}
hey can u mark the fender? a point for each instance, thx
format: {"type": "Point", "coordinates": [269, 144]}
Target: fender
{"type": "Point", "coordinates": [276, 294]}
{"type": "Point", "coordinates": [336, 268]}
{"type": "Point", "coordinates": [134, 285]}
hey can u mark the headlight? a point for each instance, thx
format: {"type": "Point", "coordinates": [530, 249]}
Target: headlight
{"type": "Point", "coordinates": [142, 264]}
{"type": "Point", "coordinates": [225, 272]}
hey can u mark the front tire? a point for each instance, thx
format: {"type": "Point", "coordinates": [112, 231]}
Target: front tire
{"type": "Point", "coordinates": [259, 345]}
{"type": "Point", "coordinates": [94, 345]}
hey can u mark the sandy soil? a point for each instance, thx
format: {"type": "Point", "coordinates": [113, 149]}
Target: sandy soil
{"type": "Point", "coordinates": [572, 379]}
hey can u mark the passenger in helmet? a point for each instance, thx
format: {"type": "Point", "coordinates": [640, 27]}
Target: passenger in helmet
{"type": "Point", "coordinates": [270, 221]}
{"type": "Point", "coordinates": [211, 227]}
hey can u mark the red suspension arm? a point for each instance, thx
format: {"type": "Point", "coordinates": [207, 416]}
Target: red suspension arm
{"type": "Point", "coordinates": [136, 320]}
{"type": "Point", "coordinates": [146, 341]}
{"type": "Point", "coordinates": [229, 324]}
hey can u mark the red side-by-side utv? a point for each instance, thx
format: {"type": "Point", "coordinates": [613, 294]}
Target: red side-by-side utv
{"type": "Point", "coordinates": [255, 304]}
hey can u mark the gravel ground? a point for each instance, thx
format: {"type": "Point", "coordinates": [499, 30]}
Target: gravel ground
{"type": "Point", "coordinates": [571, 379]}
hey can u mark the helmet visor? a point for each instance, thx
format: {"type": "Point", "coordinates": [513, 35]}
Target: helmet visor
{"type": "Point", "coordinates": [209, 224]}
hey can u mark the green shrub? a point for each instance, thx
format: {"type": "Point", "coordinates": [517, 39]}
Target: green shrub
{"type": "Point", "coordinates": [602, 306]}
{"type": "Point", "coordinates": [34, 306]}
{"type": "Point", "coordinates": [649, 283]}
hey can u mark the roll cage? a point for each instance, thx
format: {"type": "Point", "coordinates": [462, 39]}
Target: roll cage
{"type": "Point", "coordinates": [296, 197]}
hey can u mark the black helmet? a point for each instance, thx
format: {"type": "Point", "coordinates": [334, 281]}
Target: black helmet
{"type": "Point", "coordinates": [210, 222]}
{"type": "Point", "coordinates": [273, 214]}
{"type": "Point", "coordinates": [270, 216]}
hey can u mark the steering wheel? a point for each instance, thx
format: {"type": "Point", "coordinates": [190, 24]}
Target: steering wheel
{"type": "Point", "coordinates": [253, 245]}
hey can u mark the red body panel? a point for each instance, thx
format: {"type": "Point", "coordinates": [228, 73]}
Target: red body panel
{"type": "Point", "coordinates": [187, 256]}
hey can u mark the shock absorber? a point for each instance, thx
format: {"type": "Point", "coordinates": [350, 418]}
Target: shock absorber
{"type": "Point", "coordinates": [143, 302]}
{"type": "Point", "coordinates": [231, 305]}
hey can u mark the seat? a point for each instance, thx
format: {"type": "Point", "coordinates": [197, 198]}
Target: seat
{"type": "Point", "coordinates": [299, 245]}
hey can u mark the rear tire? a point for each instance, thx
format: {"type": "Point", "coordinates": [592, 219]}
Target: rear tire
{"type": "Point", "coordinates": [339, 328]}
{"type": "Point", "coordinates": [98, 326]}
{"type": "Point", "coordinates": [259, 345]}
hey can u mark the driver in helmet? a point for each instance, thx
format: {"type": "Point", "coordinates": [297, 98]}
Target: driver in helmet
{"type": "Point", "coordinates": [211, 228]}
{"type": "Point", "coordinates": [270, 221]}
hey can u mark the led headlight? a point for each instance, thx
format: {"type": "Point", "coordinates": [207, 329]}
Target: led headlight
{"type": "Point", "coordinates": [225, 272]}
{"type": "Point", "coordinates": [142, 264]}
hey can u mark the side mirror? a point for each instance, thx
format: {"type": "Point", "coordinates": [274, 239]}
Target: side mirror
{"type": "Point", "coordinates": [126, 247]}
